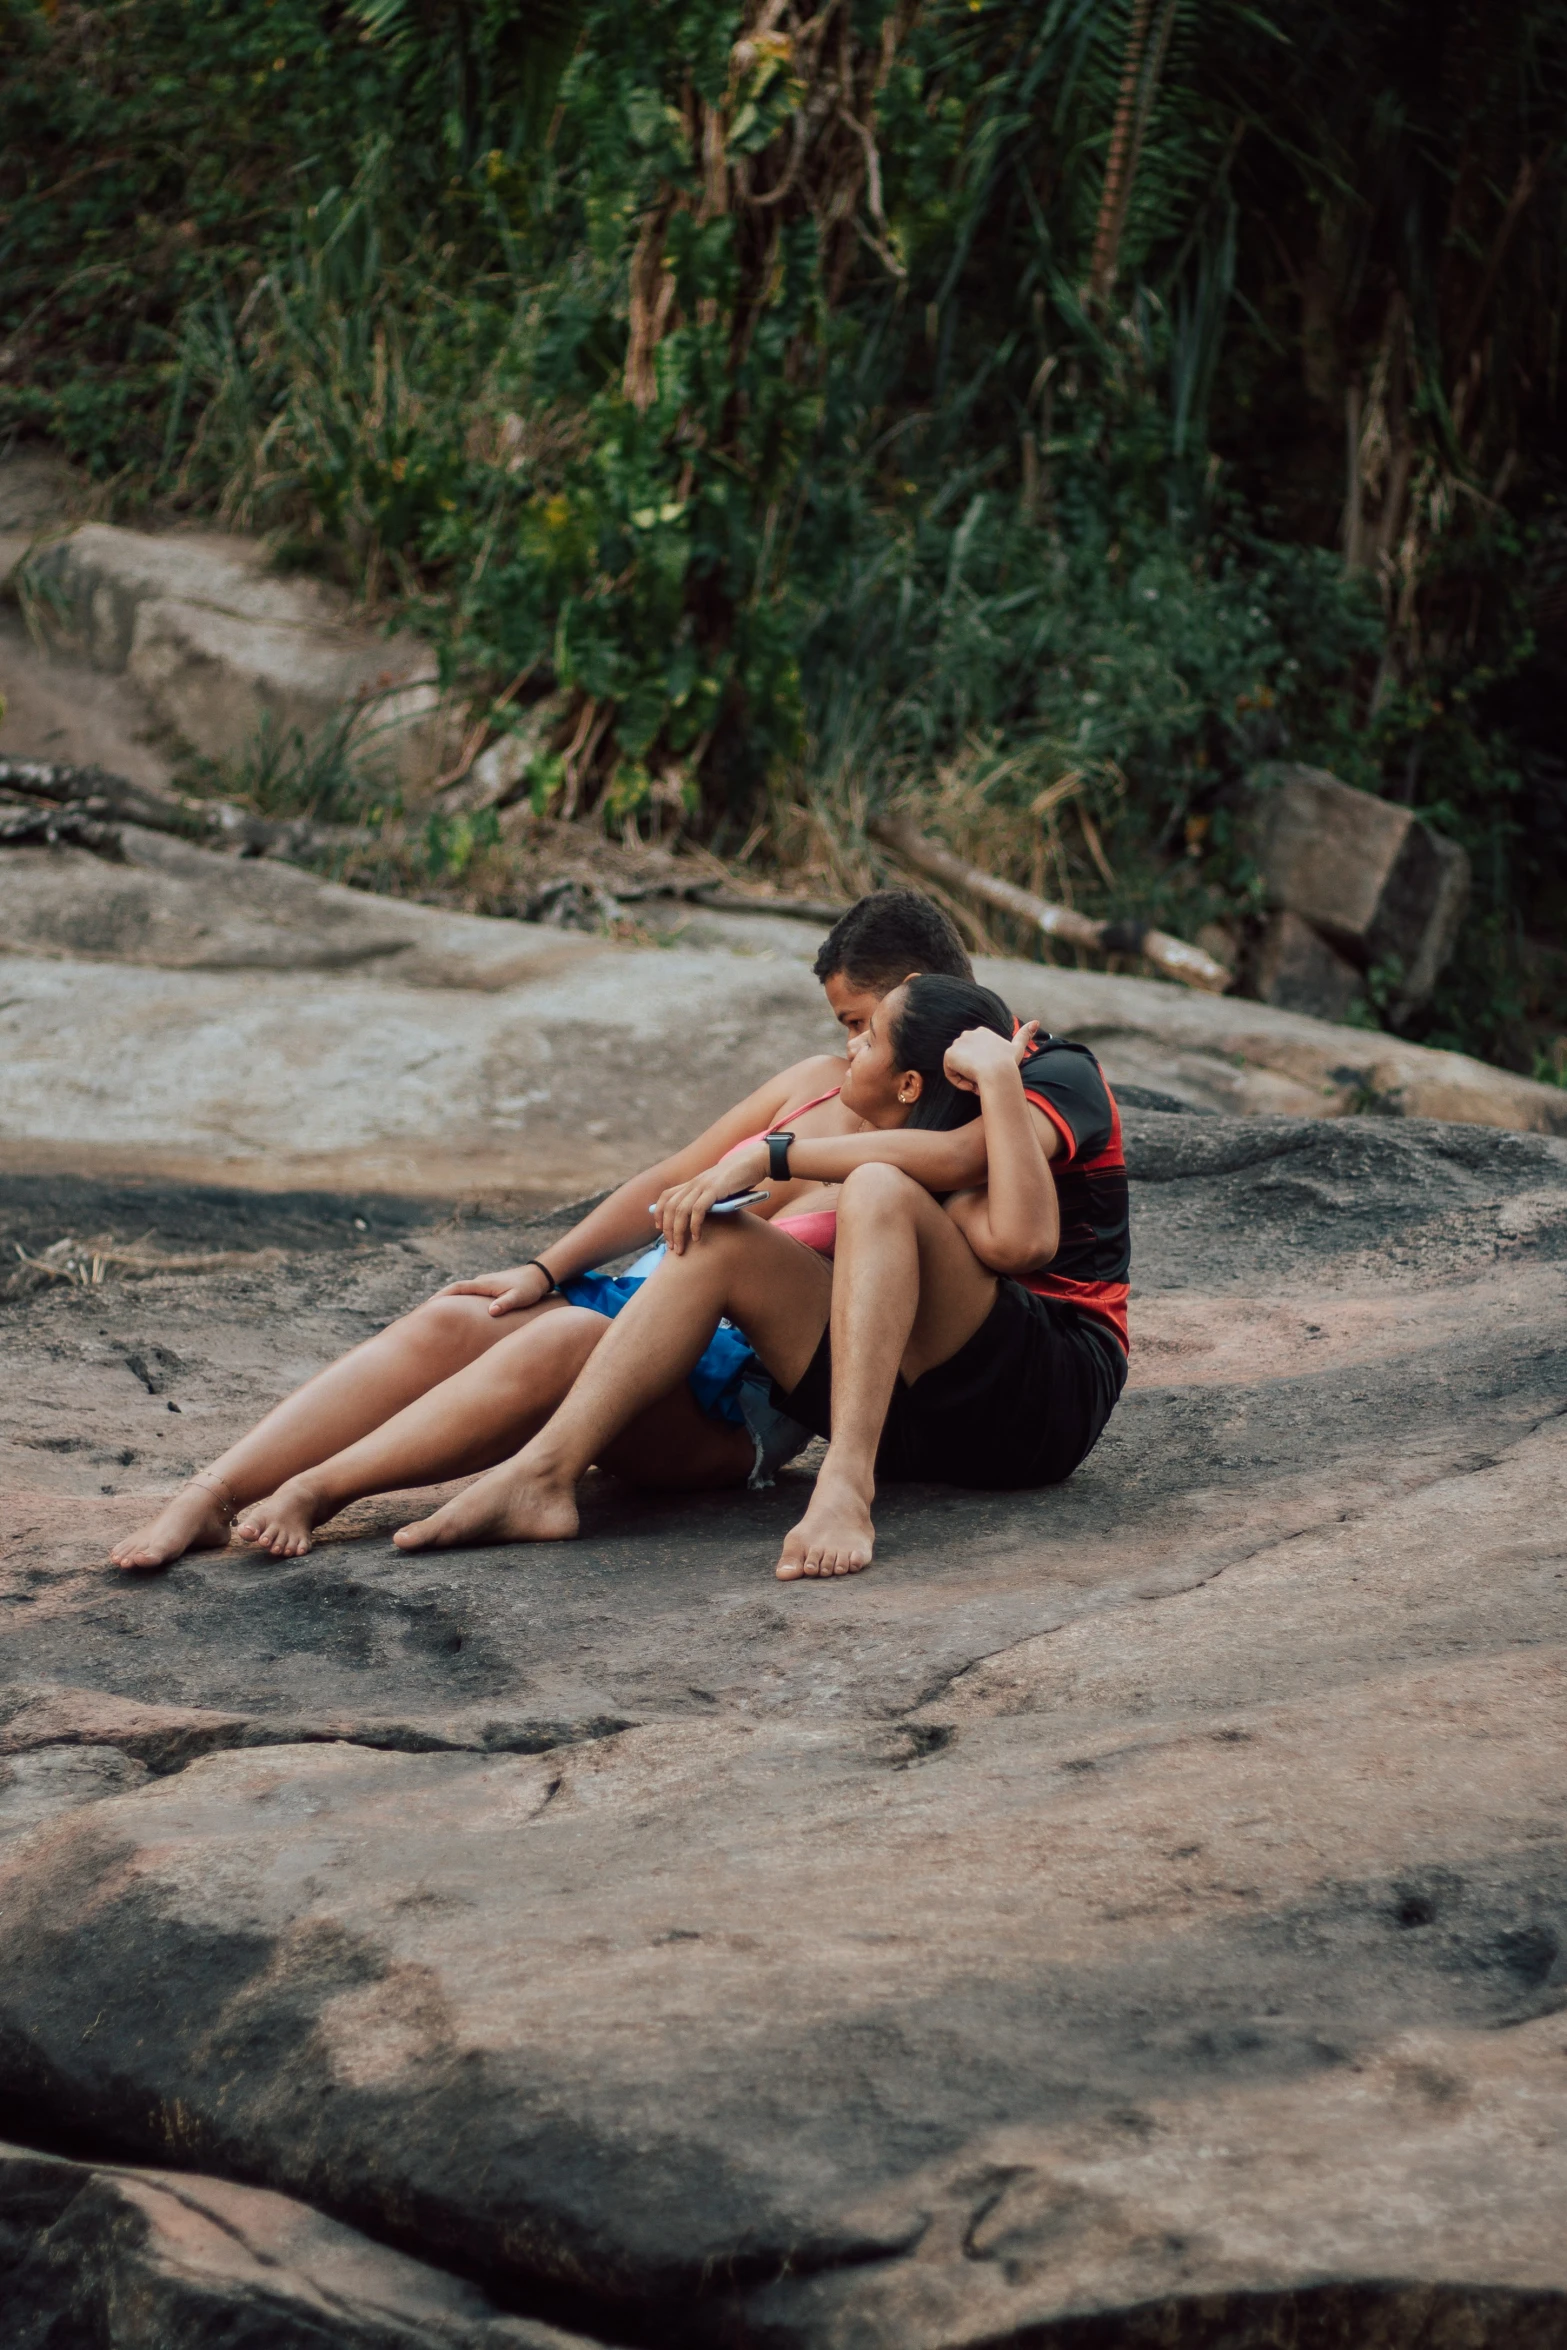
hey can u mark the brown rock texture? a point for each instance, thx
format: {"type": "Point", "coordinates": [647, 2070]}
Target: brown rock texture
{"type": "Point", "coordinates": [1131, 1914]}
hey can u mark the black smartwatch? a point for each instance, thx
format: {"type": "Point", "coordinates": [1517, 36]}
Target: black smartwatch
{"type": "Point", "coordinates": [778, 1156]}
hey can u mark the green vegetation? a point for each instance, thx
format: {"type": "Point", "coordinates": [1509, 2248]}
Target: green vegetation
{"type": "Point", "coordinates": [1031, 413]}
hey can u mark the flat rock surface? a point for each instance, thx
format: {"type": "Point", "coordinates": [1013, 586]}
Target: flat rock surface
{"type": "Point", "coordinates": [1132, 1913]}
{"type": "Point", "coordinates": [284, 1030]}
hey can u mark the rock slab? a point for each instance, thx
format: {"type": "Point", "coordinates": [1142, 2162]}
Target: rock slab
{"type": "Point", "coordinates": [286, 1030]}
{"type": "Point", "coordinates": [219, 645]}
{"type": "Point", "coordinates": [163, 2260]}
{"type": "Point", "coordinates": [1133, 1913]}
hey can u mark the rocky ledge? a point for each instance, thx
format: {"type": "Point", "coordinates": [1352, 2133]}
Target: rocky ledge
{"type": "Point", "coordinates": [1132, 1914]}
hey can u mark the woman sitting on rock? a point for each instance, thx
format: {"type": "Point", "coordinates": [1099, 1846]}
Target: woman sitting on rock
{"type": "Point", "coordinates": [961, 1342]}
{"type": "Point", "coordinates": [458, 1383]}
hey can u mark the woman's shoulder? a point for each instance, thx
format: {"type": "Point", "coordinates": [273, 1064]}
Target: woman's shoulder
{"type": "Point", "coordinates": [819, 1072]}
{"type": "Point", "coordinates": [810, 1081]}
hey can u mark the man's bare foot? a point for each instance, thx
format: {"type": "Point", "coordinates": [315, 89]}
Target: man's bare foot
{"type": "Point", "coordinates": [835, 1536]}
{"type": "Point", "coordinates": [284, 1522]}
{"type": "Point", "coordinates": [196, 1519]}
{"type": "Point", "coordinates": [504, 1505]}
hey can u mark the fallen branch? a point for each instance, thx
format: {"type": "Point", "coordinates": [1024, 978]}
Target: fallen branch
{"type": "Point", "coordinates": [48, 827]}
{"type": "Point", "coordinates": [1170, 955]}
{"type": "Point", "coordinates": [87, 797]}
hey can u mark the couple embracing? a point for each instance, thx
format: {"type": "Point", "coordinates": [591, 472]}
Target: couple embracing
{"type": "Point", "coordinates": [929, 1268]}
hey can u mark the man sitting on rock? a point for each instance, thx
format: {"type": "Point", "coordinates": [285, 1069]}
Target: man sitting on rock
{"type": "Point", "coordinates": [462, 1380]}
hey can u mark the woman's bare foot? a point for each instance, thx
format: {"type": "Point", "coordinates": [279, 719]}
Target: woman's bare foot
{"type": "Point", "coordinates": [835, 1536]}
{"type": "Point", "coordinates": [506, 1504]}
{"type": "Point", "coordinates": [196, 1519]}
{"type": "Point", "coordinates": [284, 1522]}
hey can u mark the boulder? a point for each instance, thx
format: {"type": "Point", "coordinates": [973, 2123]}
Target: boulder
{"type": "Point", "coordinates": [1229, 1053]}
{"type": "Point", "coordinates": [132, 2259]}
{"type": "Point", "coordinates": [217, 644]}
{"type": "Point", "coordinates": [1132, 1913]}
{"type": "Point", "coordinates": [1376, 883]}
{"type": "Point", "coordinates": [1298, 971]}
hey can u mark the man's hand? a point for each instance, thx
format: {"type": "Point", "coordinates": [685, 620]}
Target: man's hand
{"type": "Point", "coordinates": [980, 1052]}
{"type": "Point", "coordinates": [513, 1292]}
{"type": "Point", "coordinates": [681, 1211]}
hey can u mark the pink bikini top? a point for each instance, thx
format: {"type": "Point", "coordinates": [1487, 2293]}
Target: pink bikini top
{"type": "Point", "coordinates": [818, 1227]}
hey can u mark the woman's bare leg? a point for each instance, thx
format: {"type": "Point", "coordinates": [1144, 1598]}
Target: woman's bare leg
{"type": "Point", "coordinates": [335, 1408]}
{"type": "Point", "coordinates": [908, 1291]}
{"type": "Point", "coordinates": [477, 1416]}
{"type": "Point", "coordinates": [481, 1415]}
{"type": "Point", "coordinates": [778, 1292]}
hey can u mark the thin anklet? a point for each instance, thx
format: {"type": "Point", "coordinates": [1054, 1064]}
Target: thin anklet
{"type": "Point", "coordinates": [209, 1484]}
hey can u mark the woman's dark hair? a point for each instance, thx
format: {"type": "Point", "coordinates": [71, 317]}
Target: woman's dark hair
{"type": "Point", "coordinates": [934, 1013]}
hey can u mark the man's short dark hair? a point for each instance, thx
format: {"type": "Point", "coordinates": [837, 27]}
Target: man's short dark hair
{"type": "Point", "coordinates": [886, 936]}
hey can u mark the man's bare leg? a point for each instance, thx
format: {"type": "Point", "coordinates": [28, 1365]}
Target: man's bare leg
{"type": "Point", "coordinates": [908, 1291]}
{"type": "Point", "coordinates": [335, 1408]}
{"type": "Point", "coordinates": [776, 1290]}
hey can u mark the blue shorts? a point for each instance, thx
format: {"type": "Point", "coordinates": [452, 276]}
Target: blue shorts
{"type": "Point", "coordinates": [729, 1381]}
{"type": "Point", "coordinates": [715, 1382]}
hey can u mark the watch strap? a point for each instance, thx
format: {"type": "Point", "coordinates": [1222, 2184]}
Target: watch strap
{"type": "Point", "coordinates": [778, 1156]}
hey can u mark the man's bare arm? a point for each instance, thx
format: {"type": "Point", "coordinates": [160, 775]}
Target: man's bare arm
{"type": "Point", "coordinates": [621, 1222]}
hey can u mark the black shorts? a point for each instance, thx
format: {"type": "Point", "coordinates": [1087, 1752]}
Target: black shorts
{"type": "Point", "coordinates": [1020, 1403]}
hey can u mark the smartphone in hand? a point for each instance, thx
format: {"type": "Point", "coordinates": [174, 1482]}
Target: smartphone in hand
{"type": "Point", "coordinates": [729, 1206]}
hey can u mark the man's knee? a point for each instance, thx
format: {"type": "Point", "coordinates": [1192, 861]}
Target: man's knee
{"type": "Point", "coordinates": [879, 1191]}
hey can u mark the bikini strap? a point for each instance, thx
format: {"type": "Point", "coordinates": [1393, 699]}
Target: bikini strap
{"type": "Point", "coordinates": [800, 1109]}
